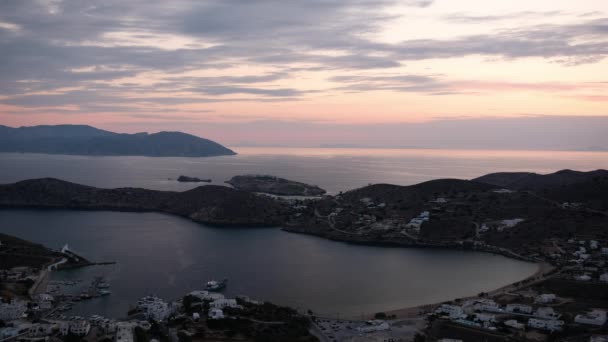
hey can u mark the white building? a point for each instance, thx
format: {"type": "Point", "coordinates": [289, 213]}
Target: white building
{"type": "Point", "coordinates": [485, 318]}
{"type": "Point", "coordinates": [124, 332]}
{"type": "Point", "coordinates": [545, 324]}
{"type": "Point", "coordinates": [519, 308]}
{"type": "Point", "coordinates": [375, 325]}
{"type": "Point", "coordinates": [41, 330]}
{"type": "Point", "coordinates": [79, 327]}
{"type": "Point", "coordinates": [546, 298]}
{"type": "Point", "coordinates": [604, 277]}
{"type": "Point", "coordinates": [546, 313]}
{"type": "Point", "coordinates": [155, 308]}
{"type": "Point", "coordinates": [452, 311]}
{"type": "Point", "coordinates": [486, 305]}
{"type": "Point", "coordinates": [224, 303]}
{"type": "Point", "coordinates": [216, 314]}
{"type": "Point", "coordinates": [515, 324]}
{"type": "Point", "coordinates": [605, 250]}
{"type": "Point", "coordinates": [583, 277]}
{"type": "Point", "coordinates": [594, 317]}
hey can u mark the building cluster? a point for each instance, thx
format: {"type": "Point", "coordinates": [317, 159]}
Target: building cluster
{"type": "Point", "coordinates": [24, 323]}
{"type": "Point", "coordinates": [585, 260]}
{"type": "Point", "coordinates": [217, 303]}
{"type": "Point", "coordinates": [155, 308]}
{"type": "Point", "coordinates": [417, 221]}
{"type": "Point", "coordinates": [488, 314]}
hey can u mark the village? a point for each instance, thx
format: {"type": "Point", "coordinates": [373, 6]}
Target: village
{"type": "Point", "coordinates": [565, 300]}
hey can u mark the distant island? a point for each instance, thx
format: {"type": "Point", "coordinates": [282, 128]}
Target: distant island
{"type": "Point", "coordinates": [187, 179]}
{"type": "Point", "coordinates": [274, 185]}
{"type": "Point", "coordinates": [90, 141]}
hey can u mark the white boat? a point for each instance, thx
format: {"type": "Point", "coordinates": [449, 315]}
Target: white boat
{"type": "Point", "coordinates": [214, 285]}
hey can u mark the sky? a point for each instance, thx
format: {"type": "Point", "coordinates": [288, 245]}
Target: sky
{"type": "Point", "coordinates": [408, 73]}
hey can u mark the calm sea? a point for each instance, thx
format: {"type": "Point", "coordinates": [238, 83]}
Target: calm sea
{"type": "Point", "coordinates": [333, 169]}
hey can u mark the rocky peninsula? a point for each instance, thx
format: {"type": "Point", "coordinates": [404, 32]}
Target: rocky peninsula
{"type": "Point", "coordinates": [274, 185]}
{"type": "Point", "coordinates": [211, 204]}
{"type": "Point", "coordinates": [187, 179]}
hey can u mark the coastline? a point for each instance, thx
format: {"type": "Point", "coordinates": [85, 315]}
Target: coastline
{"type": "Point", "coordinates": [420, 310]}
{"type": "Point", "coordinates": [418, 244]}
{"type": "Point", "coordinates": [401, 313]}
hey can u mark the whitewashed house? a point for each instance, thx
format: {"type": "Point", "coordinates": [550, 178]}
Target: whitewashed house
{"type": "Point", "coordinates": [40, 330]}
{"type": "Point", "coordinates": [546, 298]}
{"type": "Point", "coordinates": [79, 327]}
{"type": "Point", "coordinates": [224, 303]}
{"type": "Point", "coordinates": [155, 308]}
{"type": "Point", "coordinates": [546, 324]}
{"type": "Point", "coordinates": [486, 305]}
{"type": "Point", "coordinates": [484, 318]}
{"type": "Point", "coordinates": [124, 332]}
{"type": "Point", "coordinates": [594, 317]}
{"type": "Point", "coordinates": [216, 314]}
{"type": "Point", "coordinates": [452, 311]}
{"type": "Point", "coordinates": [373, 326]}
{"type": "Point", "coordinates": [583, 277]}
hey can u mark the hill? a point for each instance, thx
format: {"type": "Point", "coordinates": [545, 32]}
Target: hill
{"type": "Point", "coordinates": [529, 180]}
{"type": "Point", "coordinates": [590, 188]}
{"type": "Point", "coordinates": [87, 140]}
{"type": "Point", "coordinates": [211, 204]}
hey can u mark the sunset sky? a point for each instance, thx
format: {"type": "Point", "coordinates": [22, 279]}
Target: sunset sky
{"type": "Point", "coordinates": [424, 73]}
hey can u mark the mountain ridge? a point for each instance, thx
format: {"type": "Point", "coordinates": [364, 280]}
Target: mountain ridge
{"type": "Point", "coordinates": [88, 140]}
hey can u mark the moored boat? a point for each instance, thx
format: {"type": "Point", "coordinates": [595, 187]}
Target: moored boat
{"type": "Point", "coordinates": [214, 285]}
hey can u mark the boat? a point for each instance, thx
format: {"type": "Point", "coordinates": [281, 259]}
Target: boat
{"type": "Point", "coordinates": [104, 292]}
{"type": "Point", "coordinates": [103, 285]}
{"type": "Point", "coordinates": [214, 285]}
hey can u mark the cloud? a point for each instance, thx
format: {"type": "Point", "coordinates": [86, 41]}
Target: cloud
{"type": "Point", "coordinates": [463, 18]}
{"type": "Point", "coordinates": [46, 45]}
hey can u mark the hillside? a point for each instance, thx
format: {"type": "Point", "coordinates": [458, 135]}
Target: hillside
{"type": "Point", "coordinates": [206, 204]}
{"type": "Point", "coordinates": [16, 252]}
{"type": "Point", "coordinates": [87, 140]}
{"type": "Point", "coordinates": [590, 188]}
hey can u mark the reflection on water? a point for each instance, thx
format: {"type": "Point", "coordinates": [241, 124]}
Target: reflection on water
{"type": "Point", "coordinates": [169, 256]}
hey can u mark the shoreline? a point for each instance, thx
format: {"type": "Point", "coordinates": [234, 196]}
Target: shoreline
{"type": "Point", "coordinates": [417, 311]}
{"type": "Point", "coordinates": [417, 244]}
{"type": "Point", "coordinates": [401, 313]}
